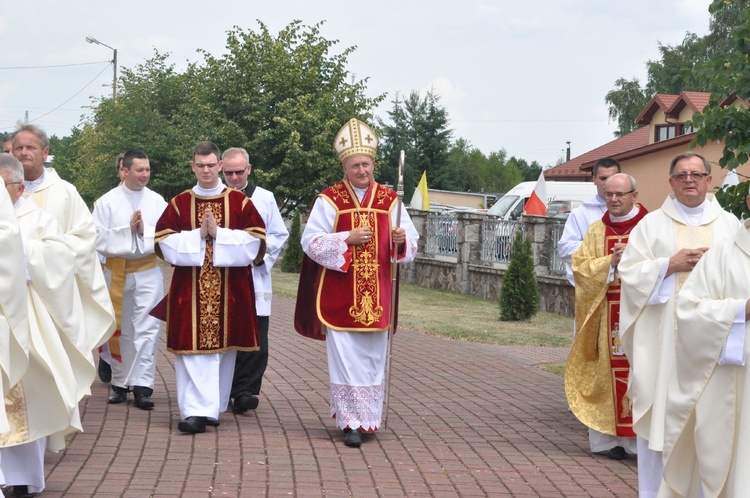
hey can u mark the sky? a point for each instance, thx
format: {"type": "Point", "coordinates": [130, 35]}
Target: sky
{"type": "Point", "coordinates": [527, 77]}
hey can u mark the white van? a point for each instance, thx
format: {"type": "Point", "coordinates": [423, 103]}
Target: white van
{"type": "Point", "coordinates": [510, 206]}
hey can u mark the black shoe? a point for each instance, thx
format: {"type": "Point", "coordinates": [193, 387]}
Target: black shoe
{"type": "Point", "coordinates": [22, 492]}
{"type": "Point", "coordinates": [117, 397]}
{"type": "Point", "coordinates": [212, 422]}
{"type": "Point", "coordinates": [353, 438]}
{"type": "Point", "coordinates": [193, 425]}
{"type": "Point", "coordinates": [143, 401]}
{"type": "Point", "coordinates": [104, 370]}
{"type": "Point", "coordinates": [244, 402]}
{"type": "Point", "coordinates": [617, 453]}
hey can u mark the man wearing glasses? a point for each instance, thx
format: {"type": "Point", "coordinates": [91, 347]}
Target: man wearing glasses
{"type": "Point", "coordinates": [210, 234]}
{"type": "Point", "coordinates": [662, 251]}
{"type": "Point", "coordinates": [251, 365]}
{"type": "Point", "coordinates": [596, 374]}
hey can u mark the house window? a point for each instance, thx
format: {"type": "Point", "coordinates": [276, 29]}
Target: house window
{"type": "Point", "coordinates": [687, 129]}
{"type": "Point", "coordinates": [665, 132]}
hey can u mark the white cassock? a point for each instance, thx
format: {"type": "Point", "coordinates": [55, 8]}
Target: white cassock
{"type": "Point", "coordinates": [62, 201]}
{"type": "Point", "coordinates": [576, 226]}
{"type": "Point", "coordinates": [45, 402]}
{"type": "Point", "coordinates": [356, 360]}
{"type": "Point", "coordinates": [195, 372]}
{"type": "Point", "coordinates": [130, 257]}
{"type": "Point", "coordinates": [708, 404]}
{"type": "Point", "coordinates": [647, 314]}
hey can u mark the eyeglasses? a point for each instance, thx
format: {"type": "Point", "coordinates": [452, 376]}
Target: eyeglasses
{"type": "Point", "coordinates": [233, 173]}
{"type": "Point", "coordinates": [208, 165]}
{"type": "Point", "coordinates": [619, 195]}
{"type": "Point", "coordinates": [696, 177]}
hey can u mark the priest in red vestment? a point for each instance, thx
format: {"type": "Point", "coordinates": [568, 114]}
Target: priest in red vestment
{"type": "Point", "coordinates": [596, 374]}
{"type": "Point", "coordinates": [210, 234]}
{"type": "Point", "coordinates": [345, 287]}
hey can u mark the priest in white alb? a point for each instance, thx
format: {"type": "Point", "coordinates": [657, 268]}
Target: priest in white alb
{"type": "Point", "coordinates": [62, 201]}
{"type": "Point", "coordinates": [707, 442]}
{"type": "Point", "coordinates": [662, 251]}
{"type": "Point", "coordinates": [125, 219]}
{"type": "Point", "coordinates": [43, 406]}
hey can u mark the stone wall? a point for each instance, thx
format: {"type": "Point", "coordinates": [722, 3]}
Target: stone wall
{"type": "Point", "coordinates": [468, 274]}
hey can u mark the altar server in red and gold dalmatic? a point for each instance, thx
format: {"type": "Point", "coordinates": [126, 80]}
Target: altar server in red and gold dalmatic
{"type": "Point", "coordinates": [211, 234]}
{"type": "Point", "coordinates": [345, 287]}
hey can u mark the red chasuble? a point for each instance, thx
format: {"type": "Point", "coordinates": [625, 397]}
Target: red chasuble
{"type": "Point", "coordinates": [358, 300]}
{"type": "Point", "coordinates": [210, 309]}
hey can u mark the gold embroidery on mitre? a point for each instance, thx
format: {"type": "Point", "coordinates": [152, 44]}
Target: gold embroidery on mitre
{"type": "Point", "coordinates": [209, 285]}
{"type": "Point", "coordinates": [367, 309]}
{"type": "Point", "coordinates": [18, 418]}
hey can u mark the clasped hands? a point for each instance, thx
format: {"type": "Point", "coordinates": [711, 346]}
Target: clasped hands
{"type": "Point", "coordinates": [136, 223]}
{"type": "Point", "coordinates": [685, 260]}
{"type": "Point", "coordinates": [208, 225]}
{"type": "Point", "coordinates": [362, 235]}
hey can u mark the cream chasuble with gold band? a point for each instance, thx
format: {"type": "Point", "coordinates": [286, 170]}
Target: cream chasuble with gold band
{"type": "Point", "coordinates": [45, 401]}
{"type": "Point", "coordinates": [647, 331]}
{"type": "Point", "coordinates": [14, 325]}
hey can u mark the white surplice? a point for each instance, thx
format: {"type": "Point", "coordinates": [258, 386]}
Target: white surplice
{"type": "Point", "coordinates": [139, 339]}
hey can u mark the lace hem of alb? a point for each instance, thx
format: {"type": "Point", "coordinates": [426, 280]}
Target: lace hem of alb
{"type": "Point", "coordinates": [357, 406]}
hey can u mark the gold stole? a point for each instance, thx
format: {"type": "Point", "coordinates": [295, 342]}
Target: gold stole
{"type": "Point", "coordinates": [120, 267]}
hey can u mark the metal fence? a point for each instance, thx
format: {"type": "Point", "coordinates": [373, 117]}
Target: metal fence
{"type": "Point", "coordinates": [497, 238]}
{"type": "Point", "coordinates": [555, 263]}
{"type": "Point", "coordinates": [442, 229]}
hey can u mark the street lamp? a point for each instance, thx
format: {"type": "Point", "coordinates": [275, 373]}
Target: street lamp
{"type": "Point", "coordinates": [114, 64]}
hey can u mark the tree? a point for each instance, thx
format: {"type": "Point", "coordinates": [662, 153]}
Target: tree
{"type": "Point", "coordinates": [519, 295]}
{"type": "Point", "coordinates": [419, 126]}
{"type": "Point", "coordinates": [282, 97]}
{"type": "Point", "coordinates": [729, 74]}
{"type": "Point", "coordinates": [292, 260]}
{"type": "Point", "coordinates": [675, 71]}
{"type": "Point", "coordinates": [624, 103]}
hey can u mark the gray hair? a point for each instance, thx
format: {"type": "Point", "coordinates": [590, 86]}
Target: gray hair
{"type": "Point", "coordinates": [10, 163]}
{"type": "Point", "coordinates": [688, 155]}
{"type": "Point", "coordinates": [633, 185]}
{"type": "Point", "coordinates": [40, 133]}
{"type": "Point", "coordinates": [236, 151]}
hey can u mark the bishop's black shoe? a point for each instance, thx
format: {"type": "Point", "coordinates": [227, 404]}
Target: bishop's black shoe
{"type": "Point", "coordinates": [104, 370]}
{"type": "Point", "coordinates": [244, 402]}
{"type": "Point", "coordinates": [212, 422]}
{"type": "Point", "coordinates": [353, 438]}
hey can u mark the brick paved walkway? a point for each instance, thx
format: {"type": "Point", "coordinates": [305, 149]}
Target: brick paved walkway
{"type": "Point", "coordinates": [465, 420]}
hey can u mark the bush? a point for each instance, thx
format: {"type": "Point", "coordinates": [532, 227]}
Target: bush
{"type": "Point", "coordinates": [292, 260]}
{"type": "Point", "coordinates": [519, 295]}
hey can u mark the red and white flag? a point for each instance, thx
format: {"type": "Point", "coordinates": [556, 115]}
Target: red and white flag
{"type": "Point", "coordinates": [537, 203]}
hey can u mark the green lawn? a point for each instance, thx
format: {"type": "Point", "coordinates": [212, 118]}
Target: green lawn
{"type": "Point", "coordinates": [460, 316]}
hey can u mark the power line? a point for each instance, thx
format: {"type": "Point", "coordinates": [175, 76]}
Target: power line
{"type": "Point", "coordinates": [56, 65]}
{"type": "Point", "coordinates": [73, 96]}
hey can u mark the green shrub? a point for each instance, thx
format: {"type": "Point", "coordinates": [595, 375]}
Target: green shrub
{"type": "Point", "coordinates": [519, 295]}
{"type": "Point", "coordinates": [292, 260]}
